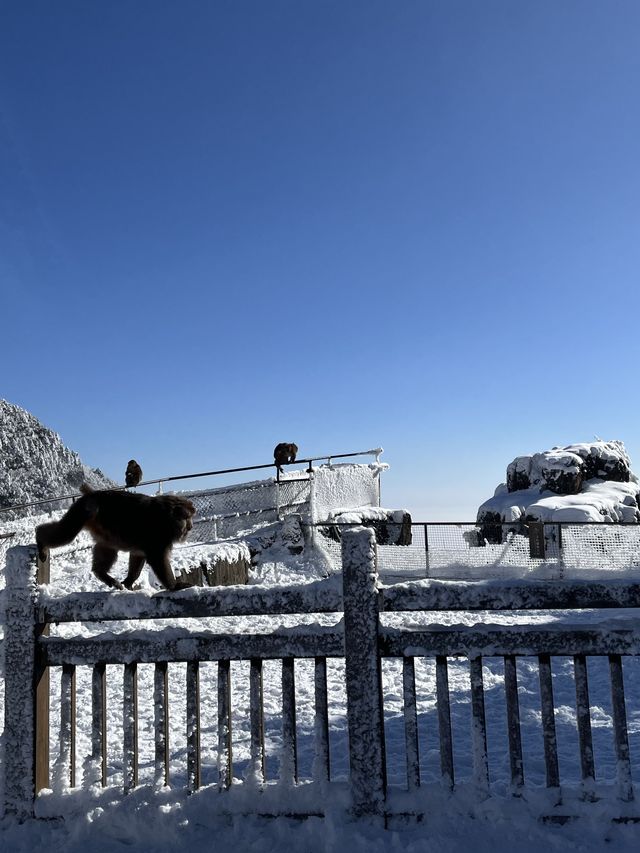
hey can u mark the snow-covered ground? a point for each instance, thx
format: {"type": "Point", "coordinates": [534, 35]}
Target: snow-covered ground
{"type": "Point", "coordinates": [165, 819]}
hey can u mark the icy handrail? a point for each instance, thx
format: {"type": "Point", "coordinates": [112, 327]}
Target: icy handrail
{"type": "Point", "coordinates": [376, 451]}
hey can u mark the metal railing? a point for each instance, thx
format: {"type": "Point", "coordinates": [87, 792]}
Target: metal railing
{"type": "Point", "coordinates": [328, 457]}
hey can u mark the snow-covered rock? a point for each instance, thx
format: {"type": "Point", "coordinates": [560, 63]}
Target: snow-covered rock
{"type": "Point", "coordinates": [391, 526]}
{"type": "Point", "coordinates": [580, 482]}
{"type": "Point", "coordinates": [35, 464]}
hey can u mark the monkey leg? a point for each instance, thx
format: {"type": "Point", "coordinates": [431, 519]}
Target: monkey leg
{"type": "Point", "coordinates": [136, 563]}
{"type": "Point", "coordinates": [103, 559]}
{"type": "Point", "coordinates": [161, 566]}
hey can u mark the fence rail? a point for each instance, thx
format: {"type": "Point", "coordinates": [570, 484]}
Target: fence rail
{"type": "Point", "coordinates": [367, 643]}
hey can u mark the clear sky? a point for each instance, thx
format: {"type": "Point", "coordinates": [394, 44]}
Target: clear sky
{"type": "Point", "coordinates": [415, 224]}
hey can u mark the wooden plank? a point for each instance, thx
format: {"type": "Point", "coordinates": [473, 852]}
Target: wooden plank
{"type": "Point", "coordinates": [444, 721]}
{"type": "Point", "coordinates": [289, 759]}
{"type": "Point", "coordinates": [509, 595]}
{"type": "Point", "coordinates": [363, 670]}
{"type": "Point", "coordinates": [478, 727]}
{"type": "Point", "coordinates": [193, 726]}
{"type": "Point", "coordinates": [548, 722]}
{"type": "Point", "coordinates": [161, 722]}
{"type": "Point", "coordinates": [256, 768]}
{"type": "Point", "coordinates": [318, 597]}
{"type": "Point", "coordinates": [620, 735]}
{"type": "Point", "coordinates": [99, 724]}
{"type": "Point", "coordinates": [321, 598]}
{"type": "Point", "coordinates": [202, 647]}
{"type": "Point", "coordinates": [513, 723]}
{"type": "Point", "coordinates": [68, 724]}
{"type": "Point", "coordinates": [130, 726]}
{"type": "Point", "coordinates": [410, 723]}
{"type": "Point", "coordinates": [322, 762]}
{"type": "Point", "coordinates": [41, 692]}
{"type": "Point", "coordinates": [225, 755]}
{"type": "Point", "coordinates": [583, 711]}
{"type": "Point", "coordinates": [509, 640]}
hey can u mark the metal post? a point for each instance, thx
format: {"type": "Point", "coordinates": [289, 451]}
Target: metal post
{"type": "Point", "coordinates": [536, 540]}
{"type": "Point", "coordinates": [426, 550]}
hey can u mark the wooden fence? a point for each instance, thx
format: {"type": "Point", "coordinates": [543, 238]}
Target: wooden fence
{"type": "Point", "coordinates": [362, 639]}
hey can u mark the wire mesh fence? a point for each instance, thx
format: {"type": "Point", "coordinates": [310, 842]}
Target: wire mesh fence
{"type": "Point", "coordinates": [461, 551]}
{"type": "Point", "coordinates": [221, 513]}
{"type": "Point", "coordinates": [225, 512]}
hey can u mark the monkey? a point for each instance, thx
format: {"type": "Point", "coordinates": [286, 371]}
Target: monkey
{"type": "Point", "coordinates": [133, 474]}
{"type": "Point", "coordinates": [283, 454]}
{"type": "Point", "coordinates": [145, 526]}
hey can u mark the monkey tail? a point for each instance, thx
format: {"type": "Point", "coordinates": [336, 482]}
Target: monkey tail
{"type": "Point", "coordinates": [56, 533]}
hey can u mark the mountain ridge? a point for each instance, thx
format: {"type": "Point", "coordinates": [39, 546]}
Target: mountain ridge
{"type": "Point", "coordinates": [35, 464]}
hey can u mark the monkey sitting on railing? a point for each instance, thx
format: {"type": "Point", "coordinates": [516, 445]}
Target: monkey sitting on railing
{"type": "Point", "coordinates": [133, 474]}
{"type": "Point", "coordinates": [284, 454]}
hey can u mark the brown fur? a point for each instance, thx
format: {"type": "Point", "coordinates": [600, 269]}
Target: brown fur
{"type": "Point", "coordinates": [145, 526]}
{"type": "Point", "coordinates": [133, 474]}
{"type": "Point", "coordinates": [284, 454]}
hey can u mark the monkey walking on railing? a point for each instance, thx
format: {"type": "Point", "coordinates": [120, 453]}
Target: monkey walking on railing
{"type": "Point", "coordinates": [145, 526]}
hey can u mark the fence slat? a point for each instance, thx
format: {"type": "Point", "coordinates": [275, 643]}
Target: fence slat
{"type": "Point", "coordinates": [256, 768]}
{"type": "Point", "coordinates": [410, 723]}
{"type": "Point", "coordinates": [130, 726]}
{"type": "Point", "coordinates": [621, 738]}
{"type": "Point", "coordinates": [513, 723]}
{"type": "Point", "coordinates": [444, 721]}
{"type": "Point", "coordinates": [66, 764]}
{"type": "Point", "coordinates": [161, 722]}
{"type": "Point", "coordinates": [478, 726]}
{"type": "Point", "coordinates": [99, 725]}
{"type": "Point", "coordinates": [321, 763]}
{"type": "Point", "coordinates": [289, 759]}
{"type": "Point", "coordinates": [193, 725]}
{"type": "Point", "coordinates": [151, 649]}
{"type": "Point", "coordinates": [583, 713]}
{"type": "Point", "coordinates": [548, 722]}
{"type": "Point", "coordinates": [225, 755]}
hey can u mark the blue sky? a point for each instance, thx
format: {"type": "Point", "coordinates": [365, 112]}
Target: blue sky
{"type": "Point", "coordinates": [229, 224]}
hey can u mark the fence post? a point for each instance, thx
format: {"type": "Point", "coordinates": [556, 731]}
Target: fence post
{"type": "Point", "coordinates": [22, 676]}
{"type": "Point", "coordinates": [363, 673]}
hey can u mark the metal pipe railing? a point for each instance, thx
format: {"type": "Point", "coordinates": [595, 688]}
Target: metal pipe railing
{"type": "Point", "coordinates": [329, 456]}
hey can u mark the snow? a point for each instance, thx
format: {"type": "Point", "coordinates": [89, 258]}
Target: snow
{"type": "Point", "coordinates": [346, 485]}
{"type": "Point", "coordinates": [163, 819]}
{"type": "Point", "coordinates": [599, 501]}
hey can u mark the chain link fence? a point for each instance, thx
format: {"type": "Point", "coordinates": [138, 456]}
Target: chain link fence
{"type": "Point", "coordinates": [226, 512]}
{"type": "Point", "coordinates": [435, 549]}
{"type": "Point", "coordinates": [221, 513]}
{"type": "Point", "coordinates": [459, 551]}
